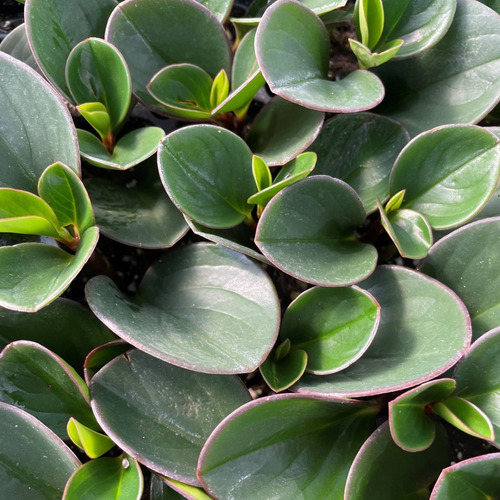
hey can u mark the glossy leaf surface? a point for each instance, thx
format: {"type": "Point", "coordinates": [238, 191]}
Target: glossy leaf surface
{"type": "Point", "coordinates": [39, 382]}
{"type": "Point", "coordinates": [34, 274]}
{"type": "Point", "coordinates": [140, 215]}
{"type": "Point", "coordinates": [34, 463]}
{"type": "Point", "coordinates": [284, 447]}
{"type": "Point", "coordinates": [184, 90]}
{"type": "Point", "coordinates": [130, 150]}
{"type": "Point", "coordinates": [307, 231]}
{"type": "Point", "coordinates": [457, 81]}
{"type": "Point", "coordinates": [292, 51]}
{"type": "Point", "coordinates": [360, 149]}
{"type": "Point", "coordinates": [201, 307]}
{"type": "Point", "coordinates": [282, 373]}
{"type": "Point", "coordinates": [448, 173]}
{"type": "Point", "coordinates": [419, 23]}
{"type": "Point", "coordinates": [412, 429]}
{"type": "Point", "coordinates": [107, 479]}
{"type": "Point", "coordinates": [282, 130]}
{"type": "Point", "coordinates": [171, 411]}
{"type": "Point", "coordinates": [406, 350]}
{"type": "Point", "coordinates": [207, 172]}
{"type": "Point", "coordinates": [63, 190]}
{"type": "Point", "coordinates": [137, 29]}
{"type": "Point", "coordinates": [478, 380]}
{"type": "Point", "coordinates": [467, 260]}
{"type": "Point", "coordinates": [472, 479]}
{"type": "Point", "coordinates": [97, 72]}
{"type": "Point", "coordinates": [50, 326]}
{"type": "Point", "coordinates": [383, 471]}
{"type": "Point", "coordinates": [334, 326]}
{"type": "Point", "coordinates": [54, 28]}
{"type": "Point", "coordinates": [175, 490]}
{"type": "Point", "coordinates": [93, 443]}
{"type": "Point", "coordinates": [35, 136]}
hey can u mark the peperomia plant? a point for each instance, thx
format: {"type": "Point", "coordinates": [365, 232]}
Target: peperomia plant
{"type": "Point", "coordinates": [250, 251]}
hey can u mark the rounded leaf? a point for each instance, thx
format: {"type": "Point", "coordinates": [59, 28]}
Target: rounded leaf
{"type": "Point", "coordinates": [334, 326]}
{"type": "Point", "coordinates": [293, 52]}
{"type": "Point", "coordinates": [449, 173]}
{"type": "Point", "coordinates": [307, 231]}
{"type": "Point", "coordinates": [284, 447]}
{"type": "Point", "coordinates": [424, 330]}
{"type": "Point", "coordinates": [207, 172]}
{"type": "Point", "coordinates": [152, 34]}
{"type": "Point", "coordinates": [161, 414]}
{"type": "Point", "coordinates": [36, 129]}
{"type": "Point", "coordinates": [201, 307]}
{"type": "Point", "coordinates": [281, 373]}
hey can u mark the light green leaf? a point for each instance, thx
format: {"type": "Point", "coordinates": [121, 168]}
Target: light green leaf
{"type": "Point", "coordinates": [93, 443]}
{"type": "Point", "coordinates": [368, 59]}
{"type": "Point", "coordinates": [220, 89]}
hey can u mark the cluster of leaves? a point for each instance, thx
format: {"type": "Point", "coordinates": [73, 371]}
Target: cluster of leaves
{"type": "Point", "coordinates": [297, 177]}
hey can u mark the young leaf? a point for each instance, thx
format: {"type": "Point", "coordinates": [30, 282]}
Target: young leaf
{"type": "Point", "coordinates": [466, 416]}
{"type": "Point", "coordinates": [261, 173]}
{"type": "Point", "coordinates": [219, 90]}
{"type": "Point", "coordinates": [93, 443]}
{"type": "Point", "coordinates": [97, 72]}
{"type": "Point", "coordinates": [107, 479]}
{"type": "Point", "coordinates": [63, 190]}
{"type": "Point", "coordinates": [97, 115]}
{"type": "Point", "coordinates": [369, 20]}
{"type": "Point", "coordinates": [281, 372]}
{"type": "Point", "coordinates": [293, 52]}
{"type": "Point", "coordinates": [34, 462]}
{"type": "Point", "coordinates": [368, 59]}
{"type": "Point", "coordinates": [395, 202]}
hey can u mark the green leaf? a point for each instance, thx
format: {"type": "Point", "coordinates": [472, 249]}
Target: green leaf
{"type": "Point", "coordinates": [285, 447]}
{"type": "Point", "coordinates": [102, 355]}
{"type": "Point", "coordinates": [424, 329]}
{"type": "Point", "coordinates": [368, 59]}
{"type": "Point", "coordinates": [369, 20]}
{"type": "Point", "coordinates": [63, 190]}
{"type": "Point", "coordinates": [207, 172]}
{"type": "Point", "coordinates": [28, 145]}
{"type": "Point", "coordinates": [130, 150]}
{"type": "Point", "coordinates": [54, 28]}
{"type": "Point", "coordinates": [299, 168]}
{"type": "Point", "coordinates": [220, 8]}
{"type": "Point", "coordinates": [409, 230]}
{"type": "Point", "coordinates": [201, 307]}
{"type": "Point", "coordinates": [467, 260]}
{"type": "Point", "coordinates": [472, 479]}
{"type": "Point", "coordinates": [161, 414]}
{"type": "Point", "coordinates": [107, 479]}
{"type": "Point", "coordinates": [93, 443]}
{"type": "Point", "coordinates": [334, 326]}
{"type": "Point", "coordinates": [97, 115]}
{"type": "Point", "coordinates": [36, 380]}
{"type": "Point", "coordinates": [465, 416]}
{"type": "Point", "coordinates": [435, 87]}
{"type": "Point", "coordinates": [16, 44]}
{"type": "Point", "coordinates": [293, 53]}
{"type": "Point", "coordinates": [412, 429]}
{"type": "Point", "coordinates": [175, 490]}
{"type": "Point", "coordinates": [449, 173]}
{"type": "Point", "coordinates": [419, 23]}
{"type": "Point", "coordinates": [478, 380]}
{"type": "Point", "coordinates": [97, 72]}
{"type": "Point", "coordinates": [258, 7]}
{"type": "Point", "coordinates": [140, 215]}
{"type": "Point", "coordinates": [137, 29]}
{"type": "Point", "coordinates": [360, 149]}
{"type": "Point", "coordinates": [185, 90]}
{"type": "Point", "coordinates": [220, 89]}
{"type": "Point", "coordinates": [395, 201]}
{"type": "Point", "coordinates": [281, 372]}
{"type": "Point", "coordinates": [307, 231]}
{"type": "Point", "coordinates": [382, 470]}
{"type": "Point", "coordinates": [282, 130]}
{"type": "Point", "coordinates": [33, 274]}
{"type": "Point", "coordinates": [50, 326]}
{"type": "Point", "coordinates": [34, 462]}
{"type": "Point", "coordinates": [261, 173]}
{"type": "Point", "coordinates": [23, 212]}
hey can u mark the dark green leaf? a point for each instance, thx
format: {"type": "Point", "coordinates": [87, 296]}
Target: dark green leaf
{"type": "Point", "coordinates": [307, 231]}
{"type": "Point", "coordinates": [16, 44]}
{"type": "Point", "coordinates": [34, 463]}
{"type": "Point", "coordinates": [161, 414]}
